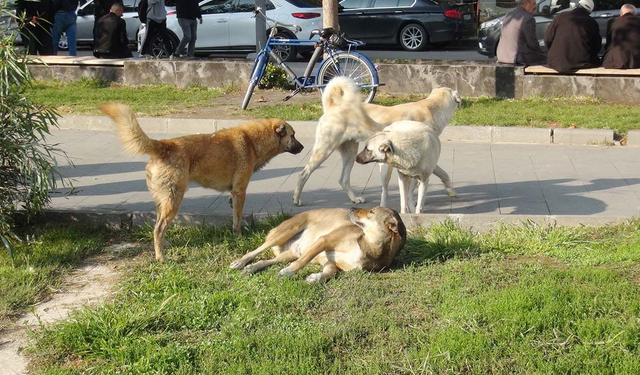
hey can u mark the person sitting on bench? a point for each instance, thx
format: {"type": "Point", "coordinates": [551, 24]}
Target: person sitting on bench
{"type": "Point", "coordinates": [623, 40]}
{"type": "Point", "coordinates": [111, 35]}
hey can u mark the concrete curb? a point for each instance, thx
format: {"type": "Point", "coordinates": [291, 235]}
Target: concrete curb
{"type": "Point", "coordinates": [478, 222]}
{"type": "Point", "coordinates": [633, 138]}
{"type": "Point", "coordinates": [476, 134]}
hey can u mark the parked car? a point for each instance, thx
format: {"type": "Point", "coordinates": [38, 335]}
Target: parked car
{"type": "Point", "coordinates": [546, 10]}
{"type": "Point", "coordinates": [229, 26]}
{"type": "Point", "coordinates": [412, 24]}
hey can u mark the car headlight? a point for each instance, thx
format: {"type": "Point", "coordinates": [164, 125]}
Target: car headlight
{"type": "Point", "coordinates": [488, 24]}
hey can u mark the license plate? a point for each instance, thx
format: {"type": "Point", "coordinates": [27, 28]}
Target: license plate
{"type": "Point", "coordinates": [467, 16]}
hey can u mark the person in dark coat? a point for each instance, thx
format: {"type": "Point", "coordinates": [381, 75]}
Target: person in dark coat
{"type": "Point", "coordinates": [623, 40]}
{"type": "Point", "coordinates": [35, 27]}
{"type": "Point", "coordinates": [110, 34]}
{"type": "Point", "coordinates": [518, 41]}
{"type": "Point", "coordinates": [188, 11]}
{"type": "Point", "coordinates": [102, 8]}
{"type": "Point", "coordinates": [573, 39]}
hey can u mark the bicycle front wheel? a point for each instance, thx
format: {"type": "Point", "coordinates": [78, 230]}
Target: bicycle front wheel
{"type": "Point", "coordinates": [256, 75]}
{"type": "Point", "coordinates": [354, 66]}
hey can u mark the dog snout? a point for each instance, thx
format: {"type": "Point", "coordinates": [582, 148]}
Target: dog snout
{"type": "Point", "coordinates": [364, 157]}
{"type": "Point", "coordinates": [297, 147]}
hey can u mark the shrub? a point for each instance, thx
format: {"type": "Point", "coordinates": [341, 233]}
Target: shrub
{"type": "Point", "coordinates": [28, 167]}
{"type": "Point", "coordinates": [274, 77]}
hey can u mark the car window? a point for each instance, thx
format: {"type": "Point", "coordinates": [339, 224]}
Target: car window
{"type": "Point", "coordinates": [89, 9]}
{"type": "Point", "coordinates": [405, 3]}
{"type": "Point", "coordinates": [129, 5]}
{"type": "Point", "coordinates": [385, 3]}
{"type": "Point", "coordinates": [216, 6]}
{"type": "Point", "coordinates": [354, 4]}
{"type": "Point", "coordinates": [306, 3]}
{"type": "Point", "coordinates": [250, 6]}
{"type": "Point", "coordinates": [613, 4]}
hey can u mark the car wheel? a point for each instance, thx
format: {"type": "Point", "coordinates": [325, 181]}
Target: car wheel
{"type": "Point", "coordinates": [158, 49]}
{"type": "Point", "coordinates": [413, 37]}
{"type": "Point", "coordinates": [63, 43]}
{"type": "Point", "coordinates": [286, 53]}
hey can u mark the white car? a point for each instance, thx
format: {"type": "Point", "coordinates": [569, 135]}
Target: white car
{"type": "Point", "coordinates": [229, 26]}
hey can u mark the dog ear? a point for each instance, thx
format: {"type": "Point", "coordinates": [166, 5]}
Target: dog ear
{"type": "Point", "coordinates": [281, 129]}
{"type": "Point", "coordinates": [393, 226]}
{"type": "Point", "coordinates": [386, 147]}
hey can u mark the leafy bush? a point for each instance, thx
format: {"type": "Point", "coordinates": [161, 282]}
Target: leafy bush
{"type": "Point", "coordinates": [274, 77]}
{"type": "Point", "coordinates": [28, 168]}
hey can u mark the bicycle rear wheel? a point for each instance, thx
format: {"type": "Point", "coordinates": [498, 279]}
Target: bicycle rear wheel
{"type": "Point", "coordinates": [352, 65]}
{"type": "Point", "coordinates": [256, 76]}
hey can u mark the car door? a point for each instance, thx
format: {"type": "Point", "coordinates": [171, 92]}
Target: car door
{"type": "Point", "coordinates": [386, 16]}
{"type": "Point", "coordinates": [85, 21]}
{"type": "Point", "coordinates": [214, 31]}
{"type": "Point", "coordinates": [242, 24]}
{"type": "Point", "coordinates": [351, 17]}
{"type": "Point", "coordinates": [130, 16]}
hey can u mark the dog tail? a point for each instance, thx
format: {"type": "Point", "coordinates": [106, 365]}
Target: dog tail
{"type": "Point", "coordinates": [339, 91]}
{"type": "Point", "coordinates": [129, 131]}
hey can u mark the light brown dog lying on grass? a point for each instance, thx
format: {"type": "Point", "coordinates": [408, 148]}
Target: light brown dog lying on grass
{"type": "Point", "coordinates": [338, 239]}
{"type": "Point", "coordinates": [223, 161]}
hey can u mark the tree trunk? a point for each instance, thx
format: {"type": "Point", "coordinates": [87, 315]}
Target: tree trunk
{"type": "Point", "coordinates": [330, 14]}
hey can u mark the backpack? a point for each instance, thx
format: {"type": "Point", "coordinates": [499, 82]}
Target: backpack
{"type": "Point", "coordinates": [143, 8]}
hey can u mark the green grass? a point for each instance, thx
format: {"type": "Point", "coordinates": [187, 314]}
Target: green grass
{"type": "Point", "coordinates": [519, 299]}
{"type": "Point", "coordinates": [85, 96]}
{"type": "Point", "coordinates": [39, 262]}
{"type": "Point", "coordinates": [533, 112]}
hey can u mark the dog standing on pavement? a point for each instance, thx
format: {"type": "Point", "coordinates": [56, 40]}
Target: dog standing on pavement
{"type": "Point", "coordinates": [435, 110]}
{"type": "Point", "coordinates": [414, 149]}
{"type": "Point", "coordinates": [224, 161]}
{"type": "Point", "coordinates": [338, 239]}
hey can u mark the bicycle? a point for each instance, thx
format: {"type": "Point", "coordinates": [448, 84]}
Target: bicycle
{"type": "Point", "coordinates": [337, 62]}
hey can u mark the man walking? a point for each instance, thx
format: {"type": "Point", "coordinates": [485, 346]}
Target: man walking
{"type": "Point", "coordinates": [573, 40]}
{"type": "Point", "coordinates": [188, 11]}
{"type": "Point", "coordinates": [157, 27]}
{"type": "Point", "coordinates": [65, 21]}
{"type": "Point", "coordinates": [623, 41]}
{"type": "Point", "coordinates": [518, 41]}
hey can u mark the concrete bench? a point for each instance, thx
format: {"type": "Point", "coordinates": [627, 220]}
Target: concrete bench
{"type": "Point", "coordinates": [596, 72]}
{"type": "Point", "coordinates": [78, 61]}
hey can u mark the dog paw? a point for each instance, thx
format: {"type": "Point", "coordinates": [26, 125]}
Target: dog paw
{"type": "Point", "coordinates": [286, 272]}
{"type": "Point", "coordinates": [298, 202]}
{"type": "Point", "coordinates": [452, 194]}
{"type": "Point", "coordinates": [358, 200]}
{"type": "Point", "coordinates": [314, 278]}
{"type": "Point", "coordinates": [238, 264]}
{"type": "Point", "coordinates": [250, 269]}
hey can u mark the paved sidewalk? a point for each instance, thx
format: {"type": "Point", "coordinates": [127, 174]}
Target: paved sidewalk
{"type": "Point", "coordinates": [496, 179]}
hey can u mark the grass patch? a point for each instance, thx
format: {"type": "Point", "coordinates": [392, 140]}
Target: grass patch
{"type": "Point", "coordinates": [39, 262]}
{"type": "Point", "coordinates": [518, 299]}
{"type": "Point", "coordinates": [84, 96]}
{"type": "Point", "coordinates": [532, 112]}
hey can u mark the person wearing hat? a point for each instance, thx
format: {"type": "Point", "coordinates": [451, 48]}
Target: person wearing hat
{"type": "Point", "coordinates": [573, 40]}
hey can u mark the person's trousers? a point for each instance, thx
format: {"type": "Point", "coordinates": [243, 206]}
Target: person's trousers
{"type": "Point", "coordinates": [65, 22]}
{"type": "Point", "coordinates": [156, 28]}
{"type": "Point", "coordinates": [36, 38]}
{"type": "Point", "coordinates": [189, 32]}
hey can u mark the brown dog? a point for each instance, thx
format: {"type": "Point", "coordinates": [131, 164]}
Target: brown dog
{"type": "Point", "coordinates": [223, 161]}
{"type": "Point", "coordinates": [338, 239]}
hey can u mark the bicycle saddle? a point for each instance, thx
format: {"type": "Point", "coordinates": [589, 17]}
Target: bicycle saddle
{"type": "Point", "coordinates": [324, 33]}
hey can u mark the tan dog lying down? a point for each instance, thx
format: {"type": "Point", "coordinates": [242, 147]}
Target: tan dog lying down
{"type": "Point", "coordinates": [338, 239]}
{"type": "Point", "coordinates": [223, 161]}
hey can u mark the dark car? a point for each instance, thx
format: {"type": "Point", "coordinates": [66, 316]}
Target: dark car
{"type": "Point", "coordinates": [546, 10]}
{"type": "Point", "coordinates": [414, 24]}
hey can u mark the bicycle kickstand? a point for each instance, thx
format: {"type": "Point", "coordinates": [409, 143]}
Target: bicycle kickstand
{"type": "Point", "coordinates": [292, 94]}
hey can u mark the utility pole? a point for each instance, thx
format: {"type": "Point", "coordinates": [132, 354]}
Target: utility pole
{"type": "Point", "coordinates": [261, 26]}
{"type": "Point", "coordinates": [330, 14]}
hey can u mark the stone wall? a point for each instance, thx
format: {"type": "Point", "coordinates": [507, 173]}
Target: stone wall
{"type": "Point", "coordinates": [471, 79]}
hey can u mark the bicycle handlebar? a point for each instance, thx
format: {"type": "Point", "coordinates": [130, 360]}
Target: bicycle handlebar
{"type": "Point", "coordinates": [258, 11]}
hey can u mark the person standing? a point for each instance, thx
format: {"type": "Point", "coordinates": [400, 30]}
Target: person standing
{"type": "Point", "coordinates": [188, 11]}
{"type": "Point", "coordinates": [573, 39]}
{"type": "Point", "coordinates": [623, 40]}
{"type": "Point", "coordinates": [518, 41]}
{"type": "Point", "coordinates": [156, 25]}
{"type": "Point", "coordinates": [35, 28]}
{"type": "Point", "coordinates": [111, 35]}
{"type": "Point", "coordinates": [65, 19]}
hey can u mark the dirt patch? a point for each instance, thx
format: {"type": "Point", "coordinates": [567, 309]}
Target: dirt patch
{"type": "Point", "coordinates": [93, 282]}
{"type": "Point", "coordinates": [228, 106]}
